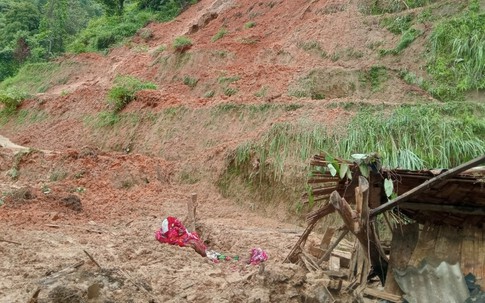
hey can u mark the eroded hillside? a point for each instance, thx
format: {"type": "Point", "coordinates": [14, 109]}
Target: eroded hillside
{"type": "Point", "coordinates": [283, 79]}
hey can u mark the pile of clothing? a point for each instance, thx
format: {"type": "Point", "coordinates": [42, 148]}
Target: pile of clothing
{"type": "Point", "coordinates": [173, 232]}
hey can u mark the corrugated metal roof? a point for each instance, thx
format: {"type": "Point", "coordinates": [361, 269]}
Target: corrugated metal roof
{"type": "Point", "coordinates": [429, 284]}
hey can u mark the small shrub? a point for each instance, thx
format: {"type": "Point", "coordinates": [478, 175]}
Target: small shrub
{"type": "Point", "coordinates": [248, 40]}
{"type": "Point", "coordinates": [221, 33]}
{"type": "Point", "coordinates": [182, 44]}
{"type": "Point", "coordinates": [209, 94]}
{"type": "Point", "coordinates": [407, 38]}
{"type": "Point", "coordinates": [227, 80]}
{"type": "Point", "coordinates": [104, 119]}
{"type": "Point", "coordinates": [58, 175]}
{"type": "Point", "coordinates": [398, 25]}
{"type": "Point", "coordinates": [145, 33]}
{"type": "Point", "coordinates": [250, 24]}
{"type": "Point", "coordinates": [11, 98]}
{"type": "Point", "coordinates": [230, 91]}
{"type": "Point", "coordinates": [125, 89]}
{"type": "Point", "coordinates": [261, 92]}
{"type": "Point", "coordinates": [191, 82]}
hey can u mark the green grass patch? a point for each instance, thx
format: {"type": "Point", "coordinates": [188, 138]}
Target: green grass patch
{"type": "Point", "coordinates": [182, 44]}
{"type": "Point", "coordinates": [230, 91]}
{"type": "Point", "coordinates": [11, 98]}
{"type": "Point", "coordinates": [312, 47]}
{"type": "Point", "coordinates": [418, 137]}
{"type": "Point", "coordinates": [373, 7]}
{"type": "Point", "coordinates": [39, 77]}
{"type": "Point", "coordinates": [124, 90]}
{"type": "Point", "coordinates": [374, 77]}
{"type": "Point", "coordinates": [224, 80]}
{"type": "Point", "coordinates": [209, 94]}
{"type": "Point", "coordinates": [221, 33]}
{"type": "Point", "coordinates": [407, 38]}
{"type": "Point", "coordinates": [397, 25]}
{"type": "Point", "coordinates": [249, 24]}
{"type": "Point", "coordinates": [411, 137]}
{"type": "Point", "coordinates": [190, 81]}
{"type": "Point", "coordinates": [457, 55]}
{"type": "Point", "coordinates": [262, 92]}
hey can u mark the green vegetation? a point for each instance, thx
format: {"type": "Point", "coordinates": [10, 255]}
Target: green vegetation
{"type": "Point", "coordinates": [407, 38]}
{"type": "Point", "coordinates": [373, 7]}
{"type": "Point", "coordinates": [374, 77]}
{"type": "Point", "coordinates": [124, 91]}
{"type": "Point", "coordinates": [399, 24]}
{"type": "Point", "coordinates": [230, 91]}
{"type": "Point", "coordinates": [11, 98]}
{"type": "Point", "coordinates": [33, 31]}
{"type": "Point", "coordinates": [209, 94]}
{"type": "Point", "coordinates": [457, 55]}
{"type": "Point", "coordinates": [228, 80]}
{"type": "Point", "coordinates": [181, 44]}
{"type": "Point", "coordinates": [37, 30]}
{"type": "Point", "coordinates": [412, 137]}
{"type": "Point", "coordinates": [190, 81]}
{"type": "Point", "coordinates": [310, 86]}
{"type": "Point", "coordinates": [261, 93]}
{"type": "Point", "coordinates": [39, 77]}
{"type": "Point", "coordinates": [221, 33]}
{"type": "Point", "coordinates": [249, 24]}
{"type": "Point", "coordinates": [312, 47]}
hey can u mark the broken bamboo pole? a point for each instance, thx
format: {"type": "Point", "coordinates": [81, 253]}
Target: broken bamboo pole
{"type": "Point", "coordinates": [322, 212]}
{"type": "Point", "coordinates": [343, 233]}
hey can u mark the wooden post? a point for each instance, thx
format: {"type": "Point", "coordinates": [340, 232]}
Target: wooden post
{"type": "Point", "coordinates": [191, 210]}
{"type": "Point", "coordinates": [360, 226]}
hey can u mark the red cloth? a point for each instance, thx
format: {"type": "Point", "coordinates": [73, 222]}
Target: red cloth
{"type": "Point", "coordinates": [173, 232]}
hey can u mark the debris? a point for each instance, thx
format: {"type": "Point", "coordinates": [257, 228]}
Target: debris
{"type": "Point", "coordinates": [92, 259]}
{"type": "Point", "coordinates": [34, 297]}
{"type": "Point", "coordinates": [173, 232]}
{"type": "Point", "coordinates": [11, 242]}
{"type": "Point", "coordinates": [427, 283]}
{"type": "Point", "coordinates": [73, 202]}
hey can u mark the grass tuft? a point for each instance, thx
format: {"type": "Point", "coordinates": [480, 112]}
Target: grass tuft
{"type": "Point", "coordinates": [124, 91]}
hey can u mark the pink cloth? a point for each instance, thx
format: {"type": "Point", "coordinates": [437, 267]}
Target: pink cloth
{"type": "Point", "coordinates": [257, 256]}
{"type": "Point", "coordinates": [173, 232]}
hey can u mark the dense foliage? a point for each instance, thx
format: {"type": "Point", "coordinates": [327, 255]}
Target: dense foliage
{"type": "Point", "coordinates": [457, 61]}
{"type": "Point", "coordinates": [37, 30]}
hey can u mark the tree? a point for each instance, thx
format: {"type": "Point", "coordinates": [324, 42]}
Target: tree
{"type": "Point", "coordinates": [112, 7]}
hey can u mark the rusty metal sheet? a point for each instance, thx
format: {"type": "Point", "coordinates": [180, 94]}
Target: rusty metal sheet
{"type": "Point", "coordinates": [428, 284]}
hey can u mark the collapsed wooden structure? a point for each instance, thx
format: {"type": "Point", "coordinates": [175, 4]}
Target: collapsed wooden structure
{"type": "Point", "coordinates": [443, 207]}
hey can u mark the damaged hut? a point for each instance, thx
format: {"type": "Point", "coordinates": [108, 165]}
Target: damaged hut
{"type": "Point", "coordinates": [437, 249]}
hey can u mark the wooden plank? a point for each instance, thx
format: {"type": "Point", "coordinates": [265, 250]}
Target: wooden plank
{"type": "Point", "coordinates": [448, 244]}
{"type": "Point", "coordinates": [382, 295]}
{"type": "Point", "coordinates": [334, 263]}
{"type": "Point", "coordinates": [473, 253]}
{"type": "Point", "coordinates": [324, 180]}
{"type": "Point", "coordinates": [404, 240]}
{"type": "Point", "coordinates": [325, 257]}
{"type": "Point", "coordinates": [454, 209]}
{"type": "Point", "coordinates": [345, 257]}
{"type": "Point", "coordinates": [427, 185]}
{"type": "Point", "coordinates": [425, 246]}
{"type": "Point", "coordinates": [327, 237]}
